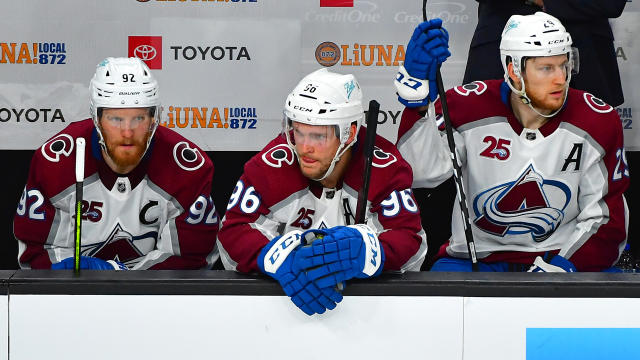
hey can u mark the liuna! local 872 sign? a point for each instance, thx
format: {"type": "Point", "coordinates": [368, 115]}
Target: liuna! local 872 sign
{"type": "Point", "coordinates": [226, 67]}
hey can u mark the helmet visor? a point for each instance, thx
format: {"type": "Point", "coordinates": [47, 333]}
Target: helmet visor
{"type": "Point", "coordinates": [299, 133]}
{"type": "Point", "coordinates": [131, 118]}
{"type": "Point", "coordinates": [550, 66]}
{"type": "Point", "coordinates": [574, 60]}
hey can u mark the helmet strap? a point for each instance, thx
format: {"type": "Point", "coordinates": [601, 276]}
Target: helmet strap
{"type": "Point", "coordinates": [522, 93]}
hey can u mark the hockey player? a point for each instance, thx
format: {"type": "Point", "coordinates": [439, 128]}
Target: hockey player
{"type": "Point", "coordinates": [146, 202]}
{"type": "Point", "coordinates": [543, 165]}
{"type": "Point", "coordinates": [303, 186]}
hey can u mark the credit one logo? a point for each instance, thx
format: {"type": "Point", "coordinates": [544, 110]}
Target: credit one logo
{"type": "Point", "coordinates": [449, 12]}
{"type": "Point", "coordinates": [336, 3]}
{"type": "Point", "coordinates": [147, 49]}
{"type": "Point", "coordinates": [328, 54]}
{"type": "Point", "coordinates": [43, 53]}
{"type": "Point", "coordinates": [366, 12]}
{"type": "Point", "coordinates": [211, 117]}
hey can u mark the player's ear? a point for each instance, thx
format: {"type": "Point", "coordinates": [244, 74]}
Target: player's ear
{"type": "Point", "coordinates": [515, 80]}
{"type": "Point", "coordinates": [352, 133]}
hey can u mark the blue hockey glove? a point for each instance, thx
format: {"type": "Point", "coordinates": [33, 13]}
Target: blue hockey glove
{"type": "Point", "coordinates": [552, 263]}
{"type": "Point", "coordinates": [427, 49]}
{"type": "Point", "coordinates": [339, 254]}
{"type": "Point", "coordinates": [276, 260]}
{"type": "Point", "coordinates": [89, 263]}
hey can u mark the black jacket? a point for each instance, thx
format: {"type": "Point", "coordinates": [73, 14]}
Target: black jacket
{"type": "Point", "coordinates": [586, 20]}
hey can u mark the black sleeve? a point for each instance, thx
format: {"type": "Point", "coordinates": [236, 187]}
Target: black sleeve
{"type": "Point", "coordinates": [580, 10]}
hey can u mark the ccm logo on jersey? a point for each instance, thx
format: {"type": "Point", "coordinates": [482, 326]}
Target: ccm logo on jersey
{"type": "Point", "coordinates": [277, 155]}
{"type": "Point", "coordinates": [382, 159]}
{"type": "Point", "coordinates": [186, 157]}
{"type": "Point", "coordinates": [476, 87]}
{"type": "Point", "coordinates": [61, 144]}
{"type": "Point", "coordinates": [596, 104]}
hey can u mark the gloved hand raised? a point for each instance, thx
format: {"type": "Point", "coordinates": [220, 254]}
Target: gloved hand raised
{"type": "Point", "coordinates": [552, 263]}
{"type": "Point", "coordinates": [427, 49]}
{"type": "Point", "coordinates": [89, 263]}
{"type": "Point", "coordinates": [339, 254]}
{"type": "Point", "coordinates": [276, 260]}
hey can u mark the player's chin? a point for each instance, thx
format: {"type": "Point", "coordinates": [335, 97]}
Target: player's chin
{"type": "Point", "coordinates": [551, 104]}
{"type": "Point", "coordinates": [311, 172]}
{"type": "Point", "coordinates": [127, 157]}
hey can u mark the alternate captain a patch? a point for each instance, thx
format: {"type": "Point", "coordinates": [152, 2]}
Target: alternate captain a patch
{"type": "Point", "coordinates": [529, 205]}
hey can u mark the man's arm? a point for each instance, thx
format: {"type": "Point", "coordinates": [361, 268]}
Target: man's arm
{"type": "Point", "coordinates": [246, 228]}
{"type": "Point", "coordinates": [602, 223]}
{"type": "Point", "coordinates": [579, 10]}
{"type": "Point", "coordinates": [36, 223]}
{"type": "Point", "coordinates": [401, 236]}
{"type": "Point", "coordinates": [422, 146]}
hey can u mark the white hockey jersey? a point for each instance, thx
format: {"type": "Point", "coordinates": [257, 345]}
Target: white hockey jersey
{"type": "Point", "coordinates": [159, 216]}
{"type": "Point", "coordinates": [272, 198]}
{"type": "Point", "coordinates": [558, 188]}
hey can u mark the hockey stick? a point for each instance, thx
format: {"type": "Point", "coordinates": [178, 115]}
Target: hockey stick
{"type": "Point", "coordinates": [457, 171]}
{"type": "Point", "coordinates": [80, 144]}
{"type": "Point", "coordinates": [369, 142]}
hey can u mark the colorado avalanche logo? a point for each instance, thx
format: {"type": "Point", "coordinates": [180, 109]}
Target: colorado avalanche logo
{"type": "Point", "coordinates": [382, 159]}
{"type": "Point", "coordinates": [476, 87]}
{"type": "Point", "coordinates": [277, 155]}
{"type": "Point", "coordinates": [187, 158]}
{"type": "Point", "coordinates": [530, 205]}
{"type": "Point", "coordinates": [596, 104]}
{"type": "Point", "coordinates": [121, 246]}
{"type": "Point", "coordinates": [61, 144]}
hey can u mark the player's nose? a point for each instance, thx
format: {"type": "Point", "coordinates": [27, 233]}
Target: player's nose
{"type": "Point", "coordinates": [560, 76]}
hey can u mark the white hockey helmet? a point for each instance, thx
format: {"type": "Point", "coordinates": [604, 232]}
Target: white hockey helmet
{"type": "Point", "coordinates": [526, 36]}
{"type": "Point", "coordinates": [326, 98]}
{"type": "Point", "coordinates": [124, 83]}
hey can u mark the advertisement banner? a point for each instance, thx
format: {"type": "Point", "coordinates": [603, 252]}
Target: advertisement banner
{"type": "Point", "coordinates": [226, 67]}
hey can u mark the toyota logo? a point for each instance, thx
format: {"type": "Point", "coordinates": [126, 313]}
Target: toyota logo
{"type": "Point", "coordinates": [145, 52]}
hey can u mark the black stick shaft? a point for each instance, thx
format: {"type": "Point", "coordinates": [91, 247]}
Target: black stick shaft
{"type": "Point", "coordinates": [457, 171]}
{"type": "Point", "coordinates": [369, 142]}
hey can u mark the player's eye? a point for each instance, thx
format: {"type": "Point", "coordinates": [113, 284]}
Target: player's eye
{"type": "Point", "coordinates": [114, 119]}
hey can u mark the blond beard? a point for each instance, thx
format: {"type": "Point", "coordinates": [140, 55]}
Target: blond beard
{"type": "Point", "coordinates": [542, 105]}
{"type": "Point", "coordinates": [126, 159]}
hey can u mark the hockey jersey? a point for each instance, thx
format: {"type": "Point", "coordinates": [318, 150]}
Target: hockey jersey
{"type": "Point", "coordinates": [558, 188]}
{"type": "Point", "coordinates": [273, 197]}
{"type": "Point", "coordinates": [159, 216]}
